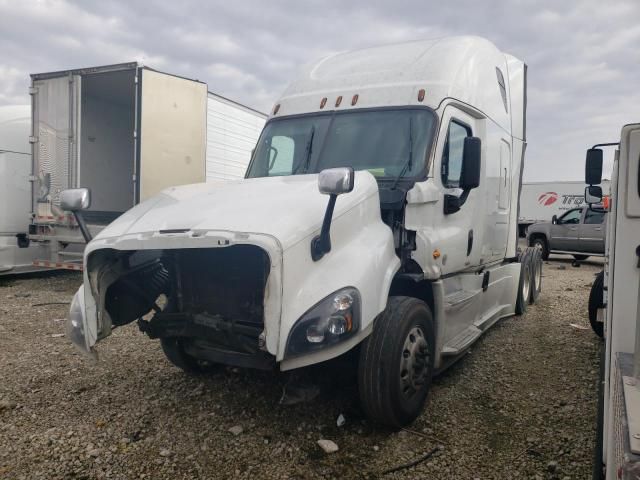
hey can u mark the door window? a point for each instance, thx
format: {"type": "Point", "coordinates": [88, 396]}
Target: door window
{"type": "Point", "coordinates": [281, 156]}
{"type": "Point", "coordinates": [452, 154]}
{"type": "Point", "coordinates": [571, 217]}
{"type": "Point", "coordinates": [594, 217]}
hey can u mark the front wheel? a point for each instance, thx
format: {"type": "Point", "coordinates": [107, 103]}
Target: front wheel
{"type": "Point", "coordinates": [396, 363]}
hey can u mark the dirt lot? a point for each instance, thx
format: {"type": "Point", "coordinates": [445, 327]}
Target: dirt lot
{"type": "Point", "coordinates": [521, 404]}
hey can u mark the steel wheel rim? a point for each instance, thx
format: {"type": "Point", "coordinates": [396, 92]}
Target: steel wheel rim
{"type": "Point", "coordinates": [526, 285]}
{"type": "Point", "coordinates": [414, 363]}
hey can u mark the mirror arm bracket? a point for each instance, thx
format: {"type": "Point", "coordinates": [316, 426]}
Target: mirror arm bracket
{"type": "Point", "coordinates": [83, 226]}
{"type": "Point", "coordinates": [321, 244]}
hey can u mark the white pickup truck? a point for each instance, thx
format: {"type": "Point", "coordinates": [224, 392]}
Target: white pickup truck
{"type": "Point", "coordinates": [379, 213]}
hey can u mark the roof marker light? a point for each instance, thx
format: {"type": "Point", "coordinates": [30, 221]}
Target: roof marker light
{"type": "Point", "coordinates": [276, 109]}
{"type": "Point", "coordinates": [354, 100]}
{"type": "Point", "coordinates": [338, 101]}
{"type": "Point", "coordinates": [323, 102]}
{"type": "Point", "coordinates": [421, 94]}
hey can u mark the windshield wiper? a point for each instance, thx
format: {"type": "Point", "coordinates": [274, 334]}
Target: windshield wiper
{"type": "Point", "coordinates": [307, 160]}
{"type": "Point", "coordinates": [407, 165]}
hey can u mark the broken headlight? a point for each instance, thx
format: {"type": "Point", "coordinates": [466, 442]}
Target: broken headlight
{"type": "Point", "coordinates": [333, 320]}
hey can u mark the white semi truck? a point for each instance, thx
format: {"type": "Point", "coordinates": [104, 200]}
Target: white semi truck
{"type": "Point", "coordinates": [379, 213]}
{"type": "Point", "coordinates": [618, 450]}
{"type": "Point", "coordinates": [126, 132]}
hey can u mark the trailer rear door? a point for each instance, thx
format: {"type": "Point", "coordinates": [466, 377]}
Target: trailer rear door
{"type": "Point", "coordinates": [55, 104]}
{"type": "Point", "coordinates": [173, 127]}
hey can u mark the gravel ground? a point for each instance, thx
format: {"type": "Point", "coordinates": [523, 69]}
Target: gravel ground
{"type": "Point", "coordinates": [521, 404]}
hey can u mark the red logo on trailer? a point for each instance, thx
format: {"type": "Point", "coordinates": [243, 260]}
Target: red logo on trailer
{"type": "Point", "coordinates": [548, 198]}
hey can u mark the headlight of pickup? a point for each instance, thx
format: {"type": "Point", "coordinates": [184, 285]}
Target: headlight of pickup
{"type": "Point", "coordinates": [333, 320]}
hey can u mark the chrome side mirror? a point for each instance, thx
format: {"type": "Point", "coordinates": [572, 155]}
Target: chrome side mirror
{"type": "Point", "coordinates": [336, 181]}
{"type": "Point", "coordinates": [332, 182]}
{"type": "Point", "coordinates": [75, 199]}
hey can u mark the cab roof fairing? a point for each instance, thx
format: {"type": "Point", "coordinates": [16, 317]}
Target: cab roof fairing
{"type": "Point", "coordinates": [462, 68]}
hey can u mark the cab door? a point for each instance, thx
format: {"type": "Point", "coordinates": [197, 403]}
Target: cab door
{"type": "Point", "coordinates": [565, 234]}
{"type": "Point", "coordinates": [592, 231]}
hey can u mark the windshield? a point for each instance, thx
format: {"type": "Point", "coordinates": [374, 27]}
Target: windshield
{"type": "Point", "coordinates": [388, 143]}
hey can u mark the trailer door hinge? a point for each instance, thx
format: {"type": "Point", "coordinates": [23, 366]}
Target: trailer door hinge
{"type": "Point", "coordinates": [134, 177]}
{"type": "Point", "coordinates": [33, 90]}
{"type": "Point", "coordinates": [32, 178]}
{"type": "Point", "coordinates": [33, 139]}
{"type": "Point", "coordinates": [135, 79]}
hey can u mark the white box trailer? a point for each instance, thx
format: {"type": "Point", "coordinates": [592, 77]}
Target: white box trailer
{"type": "Point", "coordinates": [16, 252]}
{"type": "Point", "coordinates": [126, 132]}
{"type": "Point", "coordinates": [618, 447]}
{"type": "Point", "coordinates": [539, 201]}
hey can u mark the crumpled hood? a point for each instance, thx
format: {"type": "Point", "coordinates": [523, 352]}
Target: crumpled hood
{"type": "Point", "coordinates": [286, 208]}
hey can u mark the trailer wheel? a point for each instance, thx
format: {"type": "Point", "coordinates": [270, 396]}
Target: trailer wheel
{"type": "Point", "coordinates": [524, 286]}
{"type": "Point", "coordinates": [174, 351]}
{"type": "Point", "coordinates": [541, 243]}
{"type": "Point", "coordinates": [596, 301]}
{"type": "Point", "coordinates": [536, 274]}
{"type": "Point", "coordinates": [396, 363]}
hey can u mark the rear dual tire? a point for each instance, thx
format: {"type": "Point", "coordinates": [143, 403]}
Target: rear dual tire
{"type": "Point", "coordinates": [530, 284]}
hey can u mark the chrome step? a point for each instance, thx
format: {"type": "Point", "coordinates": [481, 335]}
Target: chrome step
{"type": "Point", "coordinates": [462, 341]}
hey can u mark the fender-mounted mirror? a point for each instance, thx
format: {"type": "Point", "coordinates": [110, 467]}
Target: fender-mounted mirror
{"type": "Point", "coordinates": [333, 182]}
{"type": "Point", "coordinates": [75, 200]}
{"type": "Point", "coordinates": [593, 167]}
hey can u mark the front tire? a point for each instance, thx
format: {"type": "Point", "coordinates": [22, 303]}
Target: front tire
{"type": "Point", "coordinates": [396, 363]}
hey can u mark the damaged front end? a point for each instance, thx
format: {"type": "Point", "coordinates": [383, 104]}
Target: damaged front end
{"type": "Point", "coordinates": [213, 302]}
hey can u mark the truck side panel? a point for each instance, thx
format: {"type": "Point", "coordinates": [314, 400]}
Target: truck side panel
{"type": "Point", "coordinates": [172, 147]}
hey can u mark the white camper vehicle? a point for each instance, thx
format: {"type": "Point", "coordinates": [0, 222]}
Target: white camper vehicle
{"type": "Point", "coordinates": [618, 452]}
{"type": "Point", "coordinates": [379, 213]}
{"type": "Point", "coordinates": [16, 252]}
{"type": "Point", "coordinates": [540, 201]}
{"type": "Point", "coordinates": [126, 132]}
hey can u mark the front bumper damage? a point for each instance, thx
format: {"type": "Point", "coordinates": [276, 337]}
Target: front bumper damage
{"type": "Point", "coordinates": [220, 293]}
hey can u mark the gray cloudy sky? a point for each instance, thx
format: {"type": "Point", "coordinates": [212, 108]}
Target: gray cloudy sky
{"type": "Point", "coordinates": [583, 56]}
